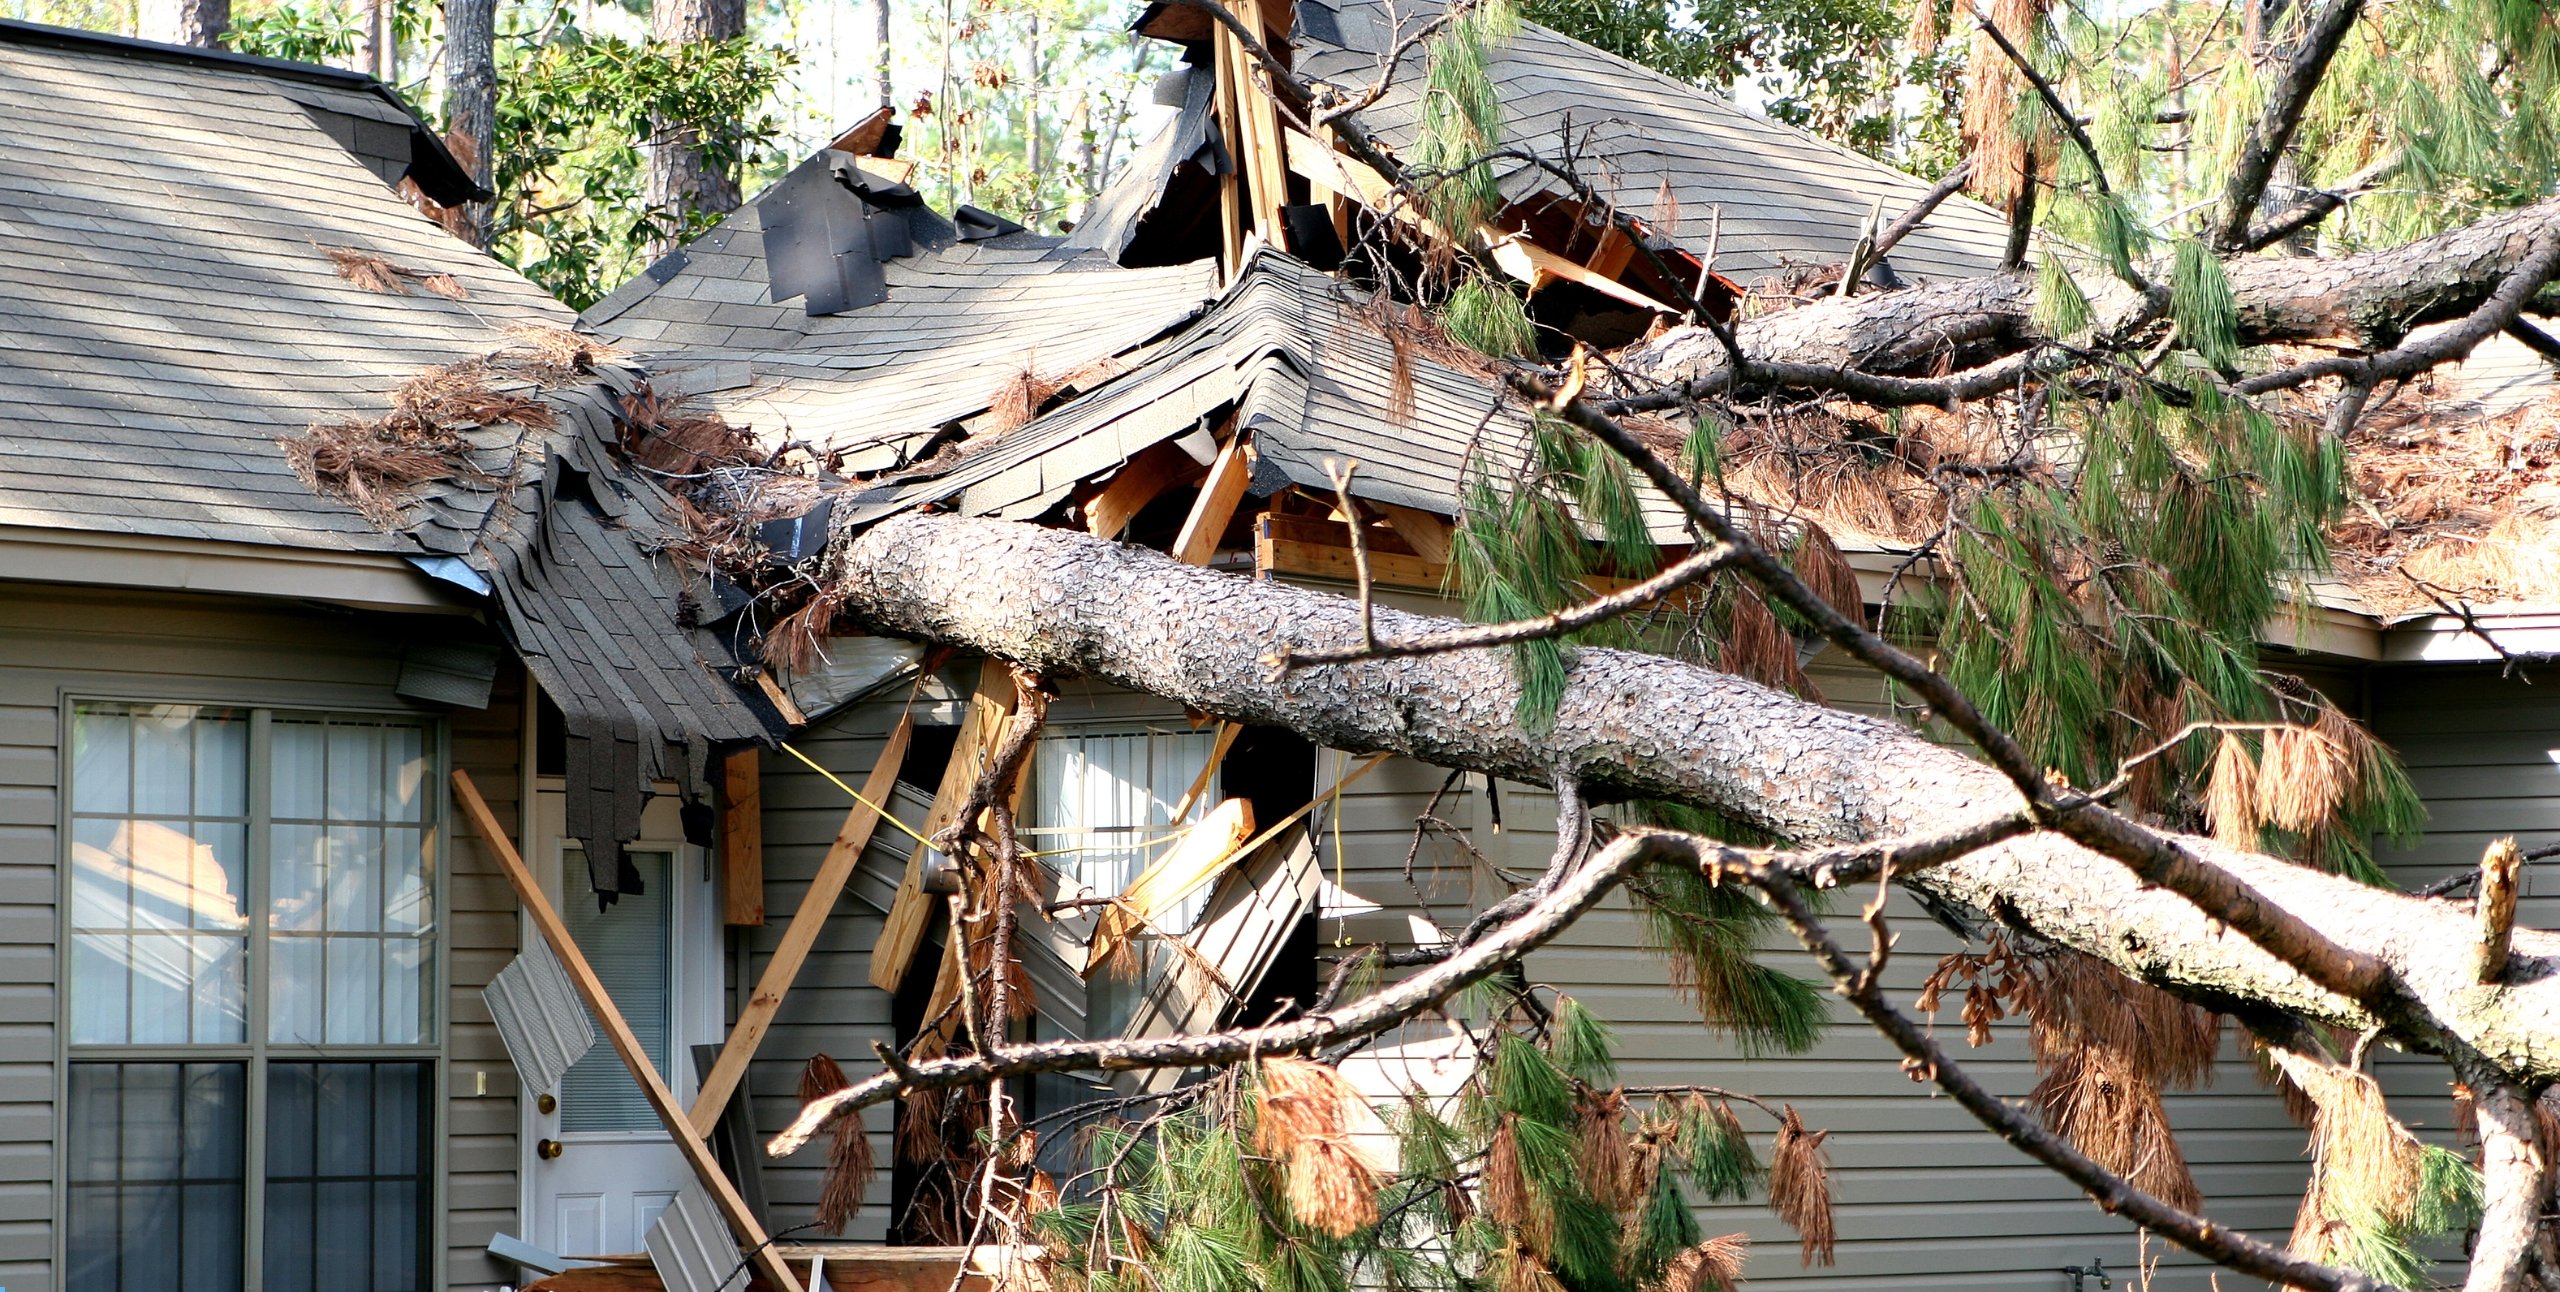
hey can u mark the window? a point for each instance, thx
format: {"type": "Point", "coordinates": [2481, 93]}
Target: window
{"type": "Point", "coordinates": [251, 999]}
{"type": "Point", "coordinates": [1107, 797]}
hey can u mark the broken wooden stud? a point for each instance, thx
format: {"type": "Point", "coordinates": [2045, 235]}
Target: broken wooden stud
{"type": "Point", "coordinates": [2501, 873]}
{"type": "Point", "coordinates": [697, 1154]}
{"type": "Point", "coordinates": [912, 911]}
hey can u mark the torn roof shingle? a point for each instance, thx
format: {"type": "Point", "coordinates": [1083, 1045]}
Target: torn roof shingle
{"type": "Point", "coordinates": [962, 320]}
{"type": "Point", "coordinates": [1783, 194]}
{"type": "Point", "coordinates": [168, 306]}
{"type": "Point", "coordinates": [1287, 349]}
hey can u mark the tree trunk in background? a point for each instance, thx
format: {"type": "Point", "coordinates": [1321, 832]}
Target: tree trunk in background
{"type": "Point", "coordinates": [880, 8]}
{"type": "Point", "coordinates": [184, 22]}
{"type": "Point", "coordinates": [682, 178]}
{"type": "Point", "coordinates": [471, 97]}
{"type": "Point", "coordinates": [373, 38]}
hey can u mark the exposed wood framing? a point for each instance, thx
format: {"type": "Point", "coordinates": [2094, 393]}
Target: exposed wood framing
{"type": "Point", "coordinates": [1296, 546]}
{"type": "Point", "coordinates": [913, 911]}
{"type": "Point", "coordinates": [689, 1142]}
{"type": "Point", "coordinates": [1231, 215]}
{"type": "Point", "coordinates": [742, 838]}
{"type": "Point", "coordinates": [1219, 497]}
{"type": "Point", "coordinates": [1259, 123]}
{"type": "Point", "coordinates": [1513, 253]}
{"type": "Point", "coordinates": [1426, 534]}
{"type": "Point", "coordinates": [825, 888]}
{"type": "Point", "coordinates": [1306, 547]}
{"type": "Point", "coordinates": [1142, 480]}
{"type": "Point", "coordinates": [1227, 733]}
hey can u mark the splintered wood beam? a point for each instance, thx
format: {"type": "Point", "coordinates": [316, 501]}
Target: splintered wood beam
{"type": "Point", "coordinates": [689, 1142]}
{"type": "Point", "coordinates": [1288, 545]}
{"type": "Point", "coordinates": [1231, 215]}
{"type": "Point", "coordinates": [825, 888]}
{"type": "Point", "coordinates": [1195, 860]}
{"type": "Point", "coordinates": [1261, 128]}
{"type": "Point", "coordinates": [742, 839]}
{"type": "Point", "coordinates": [911, 915]}
{"type": "Point", "coordinates": [1145, 478]}
{"type": "Point", "coordinates": [1219, 497]}
{"type": "Point", "coordinates": [2501, 867]}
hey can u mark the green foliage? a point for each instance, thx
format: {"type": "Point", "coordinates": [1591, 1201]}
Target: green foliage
{"type": "Point", "coordinates": [2447, 1200]}
{"type": "Point", "coordinates": [2200, 300]}
{"type": "Point", "coordinates": [573, 114]}
{"type": "Point", "coordinates": [1711, 934]}
{"type": "Point", "coordinates": [1489, 318]}
{"type": "Point", "coordinates": [1827, 65]}
{"type": "Point", "coordinates": [303, 34]}
{"type": "Point", "coordinates": [1462, 121]}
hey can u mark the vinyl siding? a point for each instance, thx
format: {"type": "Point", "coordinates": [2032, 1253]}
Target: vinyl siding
{"type": "Point", "coordinates": [57, 642]}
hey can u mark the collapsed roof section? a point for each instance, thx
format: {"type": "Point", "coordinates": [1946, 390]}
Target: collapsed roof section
{"type": "Point", "coordinates": [214, 296]}
{"type": "Point", "coordinates": [838, 312]}
{"type": "Point", "coordinates": [1294, 360]}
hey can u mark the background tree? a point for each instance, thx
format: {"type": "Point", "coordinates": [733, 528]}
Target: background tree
{"type": "Point", "coordinates": [692, 161]}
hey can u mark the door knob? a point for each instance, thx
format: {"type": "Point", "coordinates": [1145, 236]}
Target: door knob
{"type": "Point", "coordinates": [545, 1103]}
{"type": "Point", "coordinates": [547, 1149]}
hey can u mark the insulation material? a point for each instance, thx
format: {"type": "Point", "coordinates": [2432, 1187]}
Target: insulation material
{"type": "Point", "coordinates": [539, 1017]}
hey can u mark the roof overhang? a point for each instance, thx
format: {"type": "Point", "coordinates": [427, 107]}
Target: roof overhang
{"type": "Point", "coordinates": [356, 580]}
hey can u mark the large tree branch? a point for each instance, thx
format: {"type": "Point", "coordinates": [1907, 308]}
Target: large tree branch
{"type": "Point", "coordinates": [1643, 725]}
{"type": "Point", "coordinates": [2276, 123]}
{"type": "Point", "coordinates": [1881, 347]}
{"type": "Point", "coordinates": [2513, 1185]}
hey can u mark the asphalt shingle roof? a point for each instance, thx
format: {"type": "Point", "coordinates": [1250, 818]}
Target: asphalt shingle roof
{"type": "Point", "coordinates": [962, 320]}
{"type": "Point", "coordinates": [168, 305]}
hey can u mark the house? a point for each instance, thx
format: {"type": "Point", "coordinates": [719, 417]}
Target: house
{"type": "Point", "coordinates": [253, 938]}
{"type": "Point", "coordinates": [247, 934]}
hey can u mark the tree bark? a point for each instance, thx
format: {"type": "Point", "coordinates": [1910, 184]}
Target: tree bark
{"type": "Point", "coordinates": [200, 23]}
{"type": "Point", "coordinates": [471, 99]}
{"type": "Point", "coordinates": [685, 178]}
{"type": "Point", "coordinates": [1065, 603]}
{"type": "Point", "coordinates": [2370, 299]}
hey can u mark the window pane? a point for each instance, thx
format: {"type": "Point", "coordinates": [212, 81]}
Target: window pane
{"type": "Point", "coordinates": [627, 944]}
{"type": "Point", "coordinates": [345, 873]}
{"type": "Point", "coordinates": [159, 849]}
{"type": "Point", "coordinates": [154, 1176]}
{"type": "Point", "coordinates": [159, 931]}
{"type": "Point", "coordinates": [344, 1206]}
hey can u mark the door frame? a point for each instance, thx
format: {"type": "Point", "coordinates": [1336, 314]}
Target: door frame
{"type": "Point", "coordinates": [694, 952]}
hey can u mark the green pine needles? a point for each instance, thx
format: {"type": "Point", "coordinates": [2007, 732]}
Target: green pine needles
{"type": "Point", "coordinates": [1541, 1172]}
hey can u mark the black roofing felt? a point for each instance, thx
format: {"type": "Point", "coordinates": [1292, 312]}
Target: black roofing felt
{"type": "Point", "coordinates": [437, 172]}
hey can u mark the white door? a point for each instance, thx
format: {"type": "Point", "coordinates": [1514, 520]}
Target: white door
{"type": "Point", "coordinates": [598, 1167]}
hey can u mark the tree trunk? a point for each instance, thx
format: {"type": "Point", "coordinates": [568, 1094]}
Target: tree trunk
{"type": "Point", "coordinates": [471, 99]}
{"type": "Point", "coordinates": [1068, 604]}
{"type": "Point", "coordinates": [880, 12]}
{"type": "Point", "coordinates": [372, 39]}
{"type": "Point", "coordinates": [685, 178]}
{"type": "Point", "coordinates": [2371, 299]}
{"type": "Point", "coordinates": [200, 23]}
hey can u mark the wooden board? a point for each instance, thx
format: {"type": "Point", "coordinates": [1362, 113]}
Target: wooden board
{"type": "Point", "coordinates": [1281, 545]}
{"type": "Point", "coordinates": [742, 838]}
{"type": "Point", "coordinates": [911, 915]}
{"type": "Point", "coordinates": [689, 1143]}
{"type": "Point", "coordinates": [1142, 480]}
{"type": "Point", "coordinates": [824, 889]}
{"type": "Point", "coordinates": [1216, 506]}
{"type": "Point", "coordinates": [1200, 857]}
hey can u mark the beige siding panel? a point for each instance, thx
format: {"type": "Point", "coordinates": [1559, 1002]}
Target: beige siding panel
{"type": "Point", "coordinates": [57, 641]}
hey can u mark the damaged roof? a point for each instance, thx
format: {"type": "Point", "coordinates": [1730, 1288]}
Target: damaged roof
{"type": "Point", "coordinates": [1306, 366]}
{"type": "Point", "coordinates": [1785, 195]}
{"type": "Point", "coordinates": [166, 230]}
{"type": "Point", "coordinates": [960, 321]}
